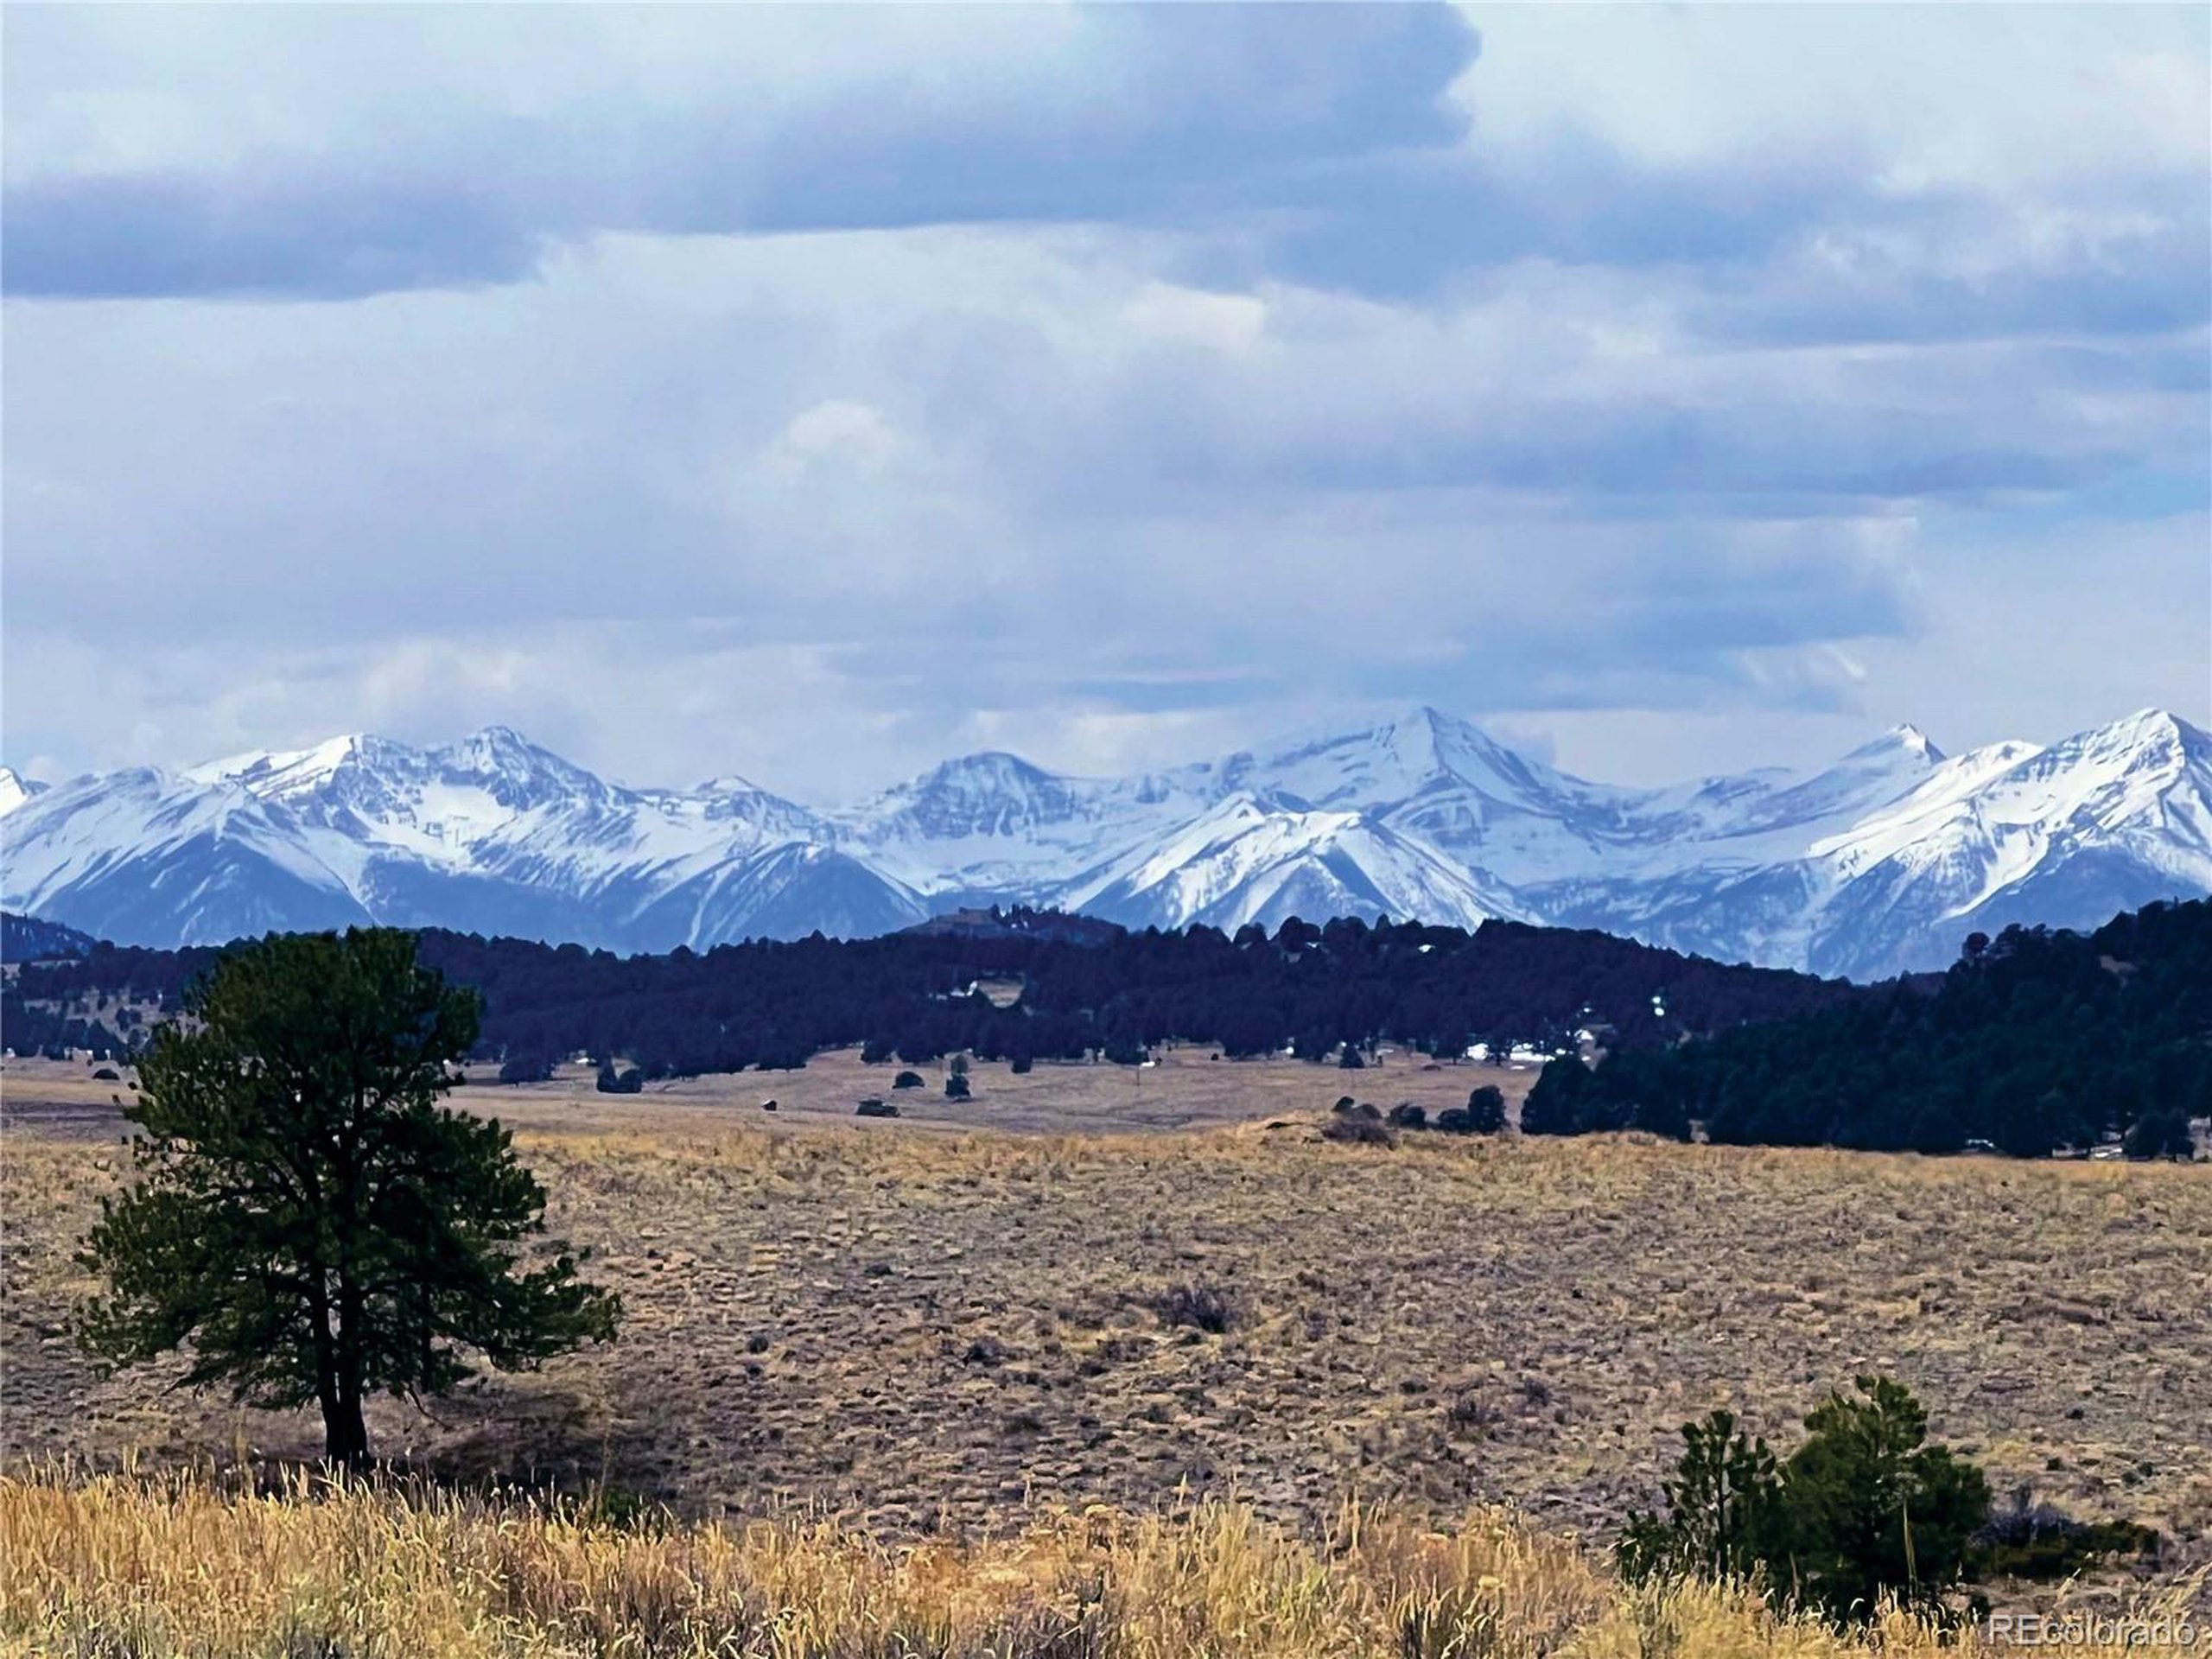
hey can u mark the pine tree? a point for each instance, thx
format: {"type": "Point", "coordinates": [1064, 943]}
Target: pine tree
{"type": "Point", "coordinates": [308, 1216]}
{"type": "Point", "coordinates": [1554, 1106]}
{"type": "Point", "coordinates": [1874, 1510]}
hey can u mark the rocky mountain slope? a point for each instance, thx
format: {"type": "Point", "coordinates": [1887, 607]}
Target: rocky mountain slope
{"type": "Point", "coordinates": [1880, 862]}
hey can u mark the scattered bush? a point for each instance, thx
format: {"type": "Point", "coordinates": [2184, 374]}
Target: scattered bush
{"type": "Point", "coordinates": [1486, 1110]}
{"type": "Point", "coordinates": [1358, 1129]}
{"type": "Point", "coordinates": [1351, 1059]}
{"type": "Point", "coordinates": [874, 1106]}
{"type": "Point", "coordinates": [2027, 1540]}
{"type": "Point", "coordinates": [628, 1081]}
{"type": "Point", "coordinates": [1198, 1307]}
{"type": "Point", "coordinates": [956, 1086]}
{"type": "Point", "coordinates": [907, 1080]}
{"type": "Point", "coordinates": [1471, 1413]}
{"type": "Point", "coordinates": [1484, 1114]}
{"type": "Point", "coordinates": [107, 1074]}
{"type": "Point", "coordinates": [987, 1350]}
{"type": "Point", "coordinates": [527, 1068]}
{"type": "Point", "coordinates": [1022, 1064]}
{"type": "Point", "coordinates": [1407, 1116]}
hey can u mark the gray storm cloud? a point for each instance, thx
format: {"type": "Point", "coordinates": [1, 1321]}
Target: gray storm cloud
{"type": "Point", "coordinates": [712, 388]}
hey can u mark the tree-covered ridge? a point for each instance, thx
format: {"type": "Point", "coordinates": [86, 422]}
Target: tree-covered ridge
{"type": "Point", "coordinates": [924, 993]}
{"type": "Point", "coordinates": [2032, 1042]}
{"type": "Point", "coordinates": [31, 939]}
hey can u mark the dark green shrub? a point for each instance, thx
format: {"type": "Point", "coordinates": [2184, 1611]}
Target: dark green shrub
{"type": "Point", "coordinates": [1554, 1106]}
{"type": "Point", "coordinates": [1875, 1510]}
{"type": "Point", "coordinates": [1864, 1512]}
{"type": "Point", "coordinates": [1725, 1516]}
{"type": "Point", "coordinates": [1358, 1129]}
{"type": "Point", "coordinates": [2160, 1133]}
{"type": "Point", "coordinates": [1486, 1110]}
{"type": "Point", "coordinates": [1201, 1307]}
{"type": "Point", "coordinates": [2027, 1540]}
{"type": "Point", "coordinates": [907, 1080]}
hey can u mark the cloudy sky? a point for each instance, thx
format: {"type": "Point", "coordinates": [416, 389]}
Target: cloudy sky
{"type": "Point", "coordinates": [813, 393]}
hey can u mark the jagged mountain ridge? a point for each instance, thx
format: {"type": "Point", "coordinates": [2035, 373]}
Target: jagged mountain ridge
{"type": "Point", "coordinates": [1878, 863]}
{"type": "Point", "coordinates": [16, 789]}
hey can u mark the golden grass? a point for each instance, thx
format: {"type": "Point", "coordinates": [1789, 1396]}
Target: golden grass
{"type": "Point", "coordinates": [918, 1327]}
{"type": "Point", "coordinates": [923, 1361]}
{"type": "Point", "coordinates": [176, 1565]}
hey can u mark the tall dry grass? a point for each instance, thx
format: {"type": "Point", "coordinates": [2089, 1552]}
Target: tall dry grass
{"type": "Point", "coordinates": [178, 1565]}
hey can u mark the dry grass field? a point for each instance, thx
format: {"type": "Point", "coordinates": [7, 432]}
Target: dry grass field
{"type": "Point", "coordinates": [935, 1326]}
{"type": "Point", "coordinates": [1187, 1089]}
{"type": "Point", "coordinates": [111, 1567]}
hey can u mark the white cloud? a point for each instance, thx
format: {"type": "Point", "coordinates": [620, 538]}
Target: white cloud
{"type": "Point", "coordinates": [1677, 386]}
{"type": "Point", "coordinates": [1924, 98]}
{"type": "Point", "coordinates": [839, 440]}
{"type": "Point", "coordinates": [1185, 316]}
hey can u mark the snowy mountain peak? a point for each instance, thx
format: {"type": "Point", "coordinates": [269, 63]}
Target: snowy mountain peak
{"type": "Point", "coordinates": [519, 770]}
{"type": "Point", "coordinates": [1392, 760]}
{"type": "Point", "coordinates": [1874, 773]}
{"type": "Point", "coordinates": [988, 794]}
{"type": "Point", "coordinates": [276, 771]}
{"type": "Point", "coordinates": [1880, 861]}
{"type": "Point", "coordinates": [1907, 739]}
{"type": "Point", "coordinates": [16, 789]}
{"type": "Point", "coordinates": [2147, 731]}
{"type": "Point", "coordinates": [987, 769]}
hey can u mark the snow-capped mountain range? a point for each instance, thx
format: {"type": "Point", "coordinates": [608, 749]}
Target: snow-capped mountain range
{"type": "Point", "coordinates": [1881, 862]}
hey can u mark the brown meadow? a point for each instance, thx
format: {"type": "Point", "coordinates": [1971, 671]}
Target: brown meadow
{"type": "Point", "coordinates": [861, 1335]}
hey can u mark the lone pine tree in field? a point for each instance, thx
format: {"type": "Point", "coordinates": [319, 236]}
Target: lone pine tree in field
{"type": "Point", "coordinates": [310, 1223]}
